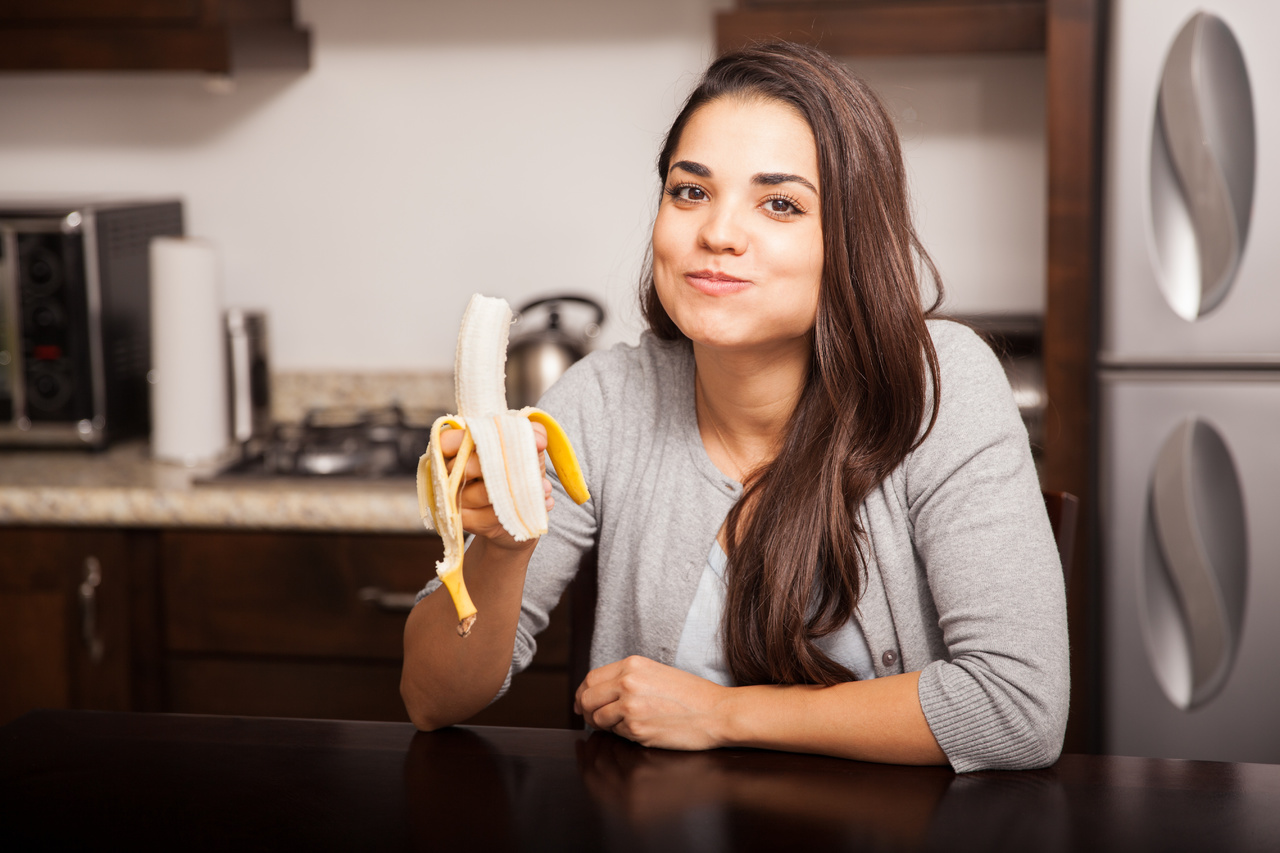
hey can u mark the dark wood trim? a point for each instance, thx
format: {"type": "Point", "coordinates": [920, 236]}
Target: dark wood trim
{"type": "Point", "coordinates": [1073, 80]}
{"type": "Point", "coordinates": [115, 49]}
{"type": "Point", "coordinates": [210, 36]}
{"type": "Point", "coordinates": [888, 30]}
{"type": "Point", "coordinates": [798, 4]}
{"type": "Point", "coordinates": [147, 684]}
{"type": "Point", "coordinates": [165, 12]}
{"type": "Point", "coordinates": [160, 11]}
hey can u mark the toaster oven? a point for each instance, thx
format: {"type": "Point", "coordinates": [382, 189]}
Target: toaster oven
{"type": "Point", "coordinates": [75, 319]}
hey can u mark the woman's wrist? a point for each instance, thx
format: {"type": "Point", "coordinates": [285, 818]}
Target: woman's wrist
{"type": "Point", "coordinates": [494, 562]}
{"type": "Point", "coordinates": [497, 548]}
{"type": "Point", "coordinates": [732, 724]}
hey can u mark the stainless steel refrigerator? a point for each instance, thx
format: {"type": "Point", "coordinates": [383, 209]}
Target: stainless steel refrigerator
{"type": "Point", "coordinates": [1189, 384]}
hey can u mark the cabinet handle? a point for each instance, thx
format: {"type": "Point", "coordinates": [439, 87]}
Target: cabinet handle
{"type": "Point", "coordinates": [89, 608]}
{"type": "Point", "coordinates": [392, 602]}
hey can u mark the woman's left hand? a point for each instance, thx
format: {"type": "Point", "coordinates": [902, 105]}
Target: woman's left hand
{"type": "Point", "coordinates": [652, 704]}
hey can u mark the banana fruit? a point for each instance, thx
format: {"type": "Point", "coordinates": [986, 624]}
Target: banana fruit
{"type": "Point", "coordinates": [504, 441]}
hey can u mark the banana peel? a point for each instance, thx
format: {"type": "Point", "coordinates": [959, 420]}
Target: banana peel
{"type": "Point", "coordinates": [504, 441]}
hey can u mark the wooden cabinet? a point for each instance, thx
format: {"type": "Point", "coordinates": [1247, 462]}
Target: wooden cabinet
{"type": "Point", "coordinates": [273, 624]}
{"type": "Point", "coordinates": [75, 626]}
{"type": "Point", "coordinates": [312, 625]}
{"type": "Point", "coordinates": [221, 622]}
{"type": "Point", "coordinates": [213, 36]}
{"type": "Point", "coordinates": [888, 27]}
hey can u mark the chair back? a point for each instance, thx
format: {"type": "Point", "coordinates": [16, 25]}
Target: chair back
{"type": "Point", "coordinates": [1064, 510]}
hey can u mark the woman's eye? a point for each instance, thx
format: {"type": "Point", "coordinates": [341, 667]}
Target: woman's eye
{"type": "Point", "coordinates": [688, 192]}
{"type": "Point", "coordinates": [782, 206]}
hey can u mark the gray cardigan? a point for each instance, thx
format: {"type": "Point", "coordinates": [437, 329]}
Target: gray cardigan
{"type": "Point", "coordinates": [964, 581]}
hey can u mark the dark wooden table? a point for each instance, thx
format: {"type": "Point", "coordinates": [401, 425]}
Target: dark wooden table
{"type": "Point", "coordinates": [87, 780]}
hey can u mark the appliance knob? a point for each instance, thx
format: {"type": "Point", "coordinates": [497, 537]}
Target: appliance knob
{"type": "Point", "coordinates": [43, 272]}
{"type": "Point", "coordinates": [45, 316]}
{"type": "Point", "coordinates": [50, 387]}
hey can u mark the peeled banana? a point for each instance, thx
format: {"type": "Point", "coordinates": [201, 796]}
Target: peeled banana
{"type": "Point", "coordinates": [504, 441]}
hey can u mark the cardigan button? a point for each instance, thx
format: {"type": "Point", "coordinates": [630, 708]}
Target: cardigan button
{"type": "Point", "coordinates": [889, 658]}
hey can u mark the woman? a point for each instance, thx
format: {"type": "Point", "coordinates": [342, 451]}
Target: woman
{"type": "Point", "coordinates": [818, 521]}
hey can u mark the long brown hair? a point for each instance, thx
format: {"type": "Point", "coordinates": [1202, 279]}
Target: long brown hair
{"type": "Point", "coordinates": [797, 549]}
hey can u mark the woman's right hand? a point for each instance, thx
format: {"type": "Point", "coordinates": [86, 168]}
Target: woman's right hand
{"type": "Point", "coordinates": [478, 515]}
{"type": "Point", "coordinates": [446, 680]}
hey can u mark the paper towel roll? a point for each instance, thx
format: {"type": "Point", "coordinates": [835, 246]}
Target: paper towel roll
{"type": "Point", "coordinates": [189, 389]}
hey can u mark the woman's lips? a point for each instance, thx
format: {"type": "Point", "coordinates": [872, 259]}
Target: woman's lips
{"type": "Point", "coordinates": [715, 283]}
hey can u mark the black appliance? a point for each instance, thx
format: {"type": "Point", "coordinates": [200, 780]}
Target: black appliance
{"type": "Point", "coordinates": [75, 318]}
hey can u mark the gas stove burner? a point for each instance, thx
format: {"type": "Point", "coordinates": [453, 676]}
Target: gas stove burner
{"type": "Point", "coordinates": [339, 442]}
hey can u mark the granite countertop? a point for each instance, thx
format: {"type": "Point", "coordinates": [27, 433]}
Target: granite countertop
{"type": "Point", "coordinates": [124, 487]}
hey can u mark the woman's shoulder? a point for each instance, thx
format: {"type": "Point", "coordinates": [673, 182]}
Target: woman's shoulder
{"type": "Point", "coordinates": [976, 403]}
{"type": "Point", "coordinates": [978, 435]}
{"type": "Point", "coordinates": [956, 342]}
{"type": "Point", "coordinates": [969, 368]}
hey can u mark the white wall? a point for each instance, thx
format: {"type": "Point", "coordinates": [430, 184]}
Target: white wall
{"type": "Point", "coordinates": [505, 146]}
{"type": "Point", "coordinates": [973, 136]}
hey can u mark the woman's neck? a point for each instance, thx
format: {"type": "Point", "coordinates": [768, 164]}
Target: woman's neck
{"type": "Point", "coordinates": [744, 402]}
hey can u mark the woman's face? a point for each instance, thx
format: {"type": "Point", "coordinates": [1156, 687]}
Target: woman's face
{"type": "Point", "coordinates": [737, 243]}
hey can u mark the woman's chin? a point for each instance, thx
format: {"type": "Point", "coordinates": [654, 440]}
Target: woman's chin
{"type": "Point", "coordinates": [734, 341]}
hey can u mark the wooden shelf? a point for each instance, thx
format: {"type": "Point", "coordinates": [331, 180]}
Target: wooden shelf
{"type": "Point", "coordinates": [210, 36]}
{"type": "Point", "coordinates": [890, 29]}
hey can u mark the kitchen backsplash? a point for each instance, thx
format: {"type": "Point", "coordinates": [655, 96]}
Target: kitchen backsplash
{"type": "Point", "coordinates": [293, 394]}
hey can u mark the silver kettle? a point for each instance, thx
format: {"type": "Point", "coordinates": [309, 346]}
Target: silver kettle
{"type": "Point", "coordinates": [542, 347]}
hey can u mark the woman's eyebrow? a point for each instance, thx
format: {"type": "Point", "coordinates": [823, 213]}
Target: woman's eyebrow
{"type": "Point", "coordinates": [770, 179]}
{"type": "Point", "coordinates": [693, 168]}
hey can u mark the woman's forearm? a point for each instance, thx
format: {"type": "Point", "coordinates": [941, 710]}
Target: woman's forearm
{"type": "Point", "coordinates": [448, 678]}
{"type": "Point", "coordinates": [661, 706]}
{"type": "Point", "coordinates": [877, 720]}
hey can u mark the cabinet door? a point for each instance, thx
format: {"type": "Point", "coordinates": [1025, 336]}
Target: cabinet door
{"type": "Point", "coordinates": [289, 624]}
{"type": "Point", "coordinates": [312, 625]}
{"type": "Point", "coordinates": [291, 594]}
{"type": "Point", "coordinates": [65, 634]}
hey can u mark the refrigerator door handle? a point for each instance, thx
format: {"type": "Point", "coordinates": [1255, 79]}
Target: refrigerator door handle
{"type": "Point", "coordinates": [1202, 166]}
{"type": "Point", "coordinates": [1203, 551]}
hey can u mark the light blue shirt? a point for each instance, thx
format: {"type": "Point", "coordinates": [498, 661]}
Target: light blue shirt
{"type": "Point", "coordinates": [701, 649]}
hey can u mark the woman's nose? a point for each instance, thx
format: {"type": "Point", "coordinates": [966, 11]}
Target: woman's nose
{"type": "Point", "coordinates": [722, 231]}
